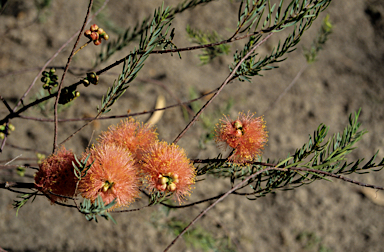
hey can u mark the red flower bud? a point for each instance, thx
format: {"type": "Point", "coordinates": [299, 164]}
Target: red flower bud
{"type": "Point", "coordinates": [94, 36]}
{"type": "Point", "coordinates": [87, 33]}
{"type": "Point", "coordinates": [94, 27]}
{"type": "Point", "coordinates": [97, 42]}
{"type": "Point", "coordinates": [100, 31]}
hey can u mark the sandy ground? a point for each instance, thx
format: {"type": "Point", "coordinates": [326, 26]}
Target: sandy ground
{"type": "Point", "coordinates": [323, 216]}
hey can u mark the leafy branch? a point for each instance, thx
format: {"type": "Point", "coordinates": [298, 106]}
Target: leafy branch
{"type": "Point", "coordinates": [97, 208]}
{"type": "Point", "coordinates": [134, 62]}
{"type": "Point", "coordinates": [131, 34]}
{"type": "Point", "coordinates": [203, 38]}
{"type": "Point", "coordinates": [300, 16]}
{"type": "Point", "coordinates": [316, 159]}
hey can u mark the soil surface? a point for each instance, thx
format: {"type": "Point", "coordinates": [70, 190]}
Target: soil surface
{"type": "Point", "coordinates": [322, 216]}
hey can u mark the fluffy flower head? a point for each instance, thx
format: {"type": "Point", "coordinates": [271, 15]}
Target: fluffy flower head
{"type": "Point", "coordinates": [113, 174]}
{"type": "Point", "coordinates": [131, 135]}
{"type": "Point", "coordinates": [246, 135]}
{"type": "Point", "coordinates": [56, 175]}
{"type": "Point", "coordinates": [167, 169]}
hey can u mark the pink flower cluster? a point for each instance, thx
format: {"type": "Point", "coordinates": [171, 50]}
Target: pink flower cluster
{"type": "Point", "coordinates": [126, 157]}
{"type": "Point", "coordinates": [129, 156]}
{"type": "Point", "coordinates": [55, 177]}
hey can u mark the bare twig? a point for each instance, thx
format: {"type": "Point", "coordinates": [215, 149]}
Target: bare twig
{"type": "Point", "coordinates": [116, 116]}
{"type": "Point", "coordinates": [293, 82]}
{"type": "Point", "coordinates": [82, 127]}
{"type": "Point", "coordinates": [54, 56]}
{"type": "Point", "coordinates": [6, 104]}
{"type": "Point", "coordinates": [63, 76]}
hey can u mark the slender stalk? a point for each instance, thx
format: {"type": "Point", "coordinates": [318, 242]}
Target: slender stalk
{"type": "Point", "coordinates": [228, 79]}
{"type": "Point", "coordinates": [63, 76]}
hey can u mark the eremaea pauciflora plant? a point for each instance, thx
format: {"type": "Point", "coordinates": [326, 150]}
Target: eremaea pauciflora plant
{"type": "Point", "coordinates": [128, 161]}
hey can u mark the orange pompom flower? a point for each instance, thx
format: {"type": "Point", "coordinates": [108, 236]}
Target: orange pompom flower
{"type": "Point", "coordinates": [246, 135]}
{"type": "Point", "coordinates": [113, 175]}
{"type": "Point", "coordinates": [167, 169]}
{"type": "Point", "coordinates": [131, 135]}
{"type": "Point", "coordinates": [56, 175]}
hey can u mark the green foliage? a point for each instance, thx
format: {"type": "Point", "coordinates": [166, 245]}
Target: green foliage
{"type": "Point", "coordinates": [135, 61]}
{"type": "Point", "coordinates": [298, 14]}
{"type": "Point", "coordinates": [97, 208]}
{"type": "Point", "coordinates": [202, 38]}
{"type": "Point", "coordinates": [157, 197]}
{"type": "Point", "coordinates": [20, 170]}
{"type": "Point", "coordinates": [81, 168]}
{"type": "Point", "coordinates": [319, 41]}
{"type": "Point", "coordinates": [141, 28]}
{"type": "Point", "coordinates": [24, 199]}
{"type": "Point", "coordinates": [328, 156]}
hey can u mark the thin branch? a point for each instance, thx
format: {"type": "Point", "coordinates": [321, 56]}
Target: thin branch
{"type": "Point", "coordinates": [228, 79]}
{"type": "Point", "coordinates": [63, 76]}
{"type": "Point", "coordinates": [55, 55]}
{"type": "Point", "coordinates": [27, 149]}
{"type": "Point", "coordinates": [82, 127]}
{"type": "Point", "coordinates": [332, 175]}
{"type": "Point", "coordinates": [293, 82]}
{"type": "Point", "coordinates": [116, 116]}
{"type": "Point", "coordinates": [6, 104]}
{"type": "Point", "coordinates": [17, 185]}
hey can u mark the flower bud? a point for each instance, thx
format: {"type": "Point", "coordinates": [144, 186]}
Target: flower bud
{"type": "Point", "coordinates": [238, 124]}
{"type": "Point", "coordinates": [94, 27]}
{"type": "Point", "coordinates": [100, 31]}
{"type": "Point", "coordinates": [94, 36]}
{"type": "Point", "coordinates": [105, 36]}
{"type": "Point", "coordinates": [171, 187]}
{"type": "Point", "coordinates": [11, 127]}
{"type": "Point", "coordinates": [238, 133]}
{"type": "Point", "coordinates": [159, 187]}
{"type": "Point", "coordinates": [87, 33]}
{"type": "Point", "coordinates": [85, 82]}
{"type": "Point", "coordinates": [163, 180]}
{"type": "Point", "coordinates": [97, 42]}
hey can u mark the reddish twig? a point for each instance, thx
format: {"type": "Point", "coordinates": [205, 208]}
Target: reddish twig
{"type": "Point", "coordinates": [293, 82]}
{"type": "Point", "coordinates": [6, 104]}
{"type": "Point", "coordinates": [63, 76]}
{"type": "Point", "coordinates": [116, 116]}
{"type": "Point", "coordinates": [54, 56]}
